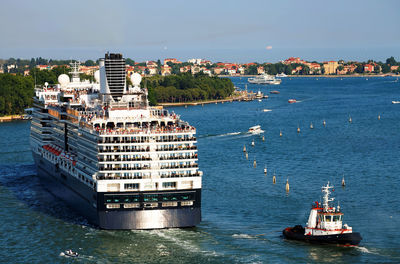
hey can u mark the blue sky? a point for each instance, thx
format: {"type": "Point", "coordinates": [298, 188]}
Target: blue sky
{"type": "Point", "coordinates": [238, 31]}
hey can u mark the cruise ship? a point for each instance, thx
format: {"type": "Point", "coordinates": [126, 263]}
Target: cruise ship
{"type": "Point", "coordinates": [119, 162]}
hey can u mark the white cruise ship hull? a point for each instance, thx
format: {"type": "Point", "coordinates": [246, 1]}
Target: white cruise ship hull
{"type": "Point", "coordinates": [91, 204]}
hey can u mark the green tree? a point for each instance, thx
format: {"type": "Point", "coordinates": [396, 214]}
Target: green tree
{"type": "Point", "coordinates": [305, 70]}
{"type": "Point", "coordinates": [89, 63]}
{"type": "Point", "coordinates": [391, 61]}
{"type": "Point", "coordinates": [359, 69]}
{"type": "Point", "coordinates": [251, 70]}
{"type": "Point", "coordinates": [130, 62]}
{"type": "Point", "coordinates": [16, 92]}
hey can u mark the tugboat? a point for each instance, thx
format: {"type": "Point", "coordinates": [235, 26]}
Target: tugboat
{"type": "Point", "coordinates": [324, 225]}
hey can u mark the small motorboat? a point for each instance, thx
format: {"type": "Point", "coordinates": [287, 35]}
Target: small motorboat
{"type": "Point", "coordinates": [255, 130]}
{"type": "Point", "coordinates": [274, 92]}
{"type": "Point", "coordinates": [266, 110]}
{"type": "Point", "coordinates": [291, 101]}
{"type": "Point", "coordinates": [71, 253]}
{"type": "Point", "coordinates": [324, 225]}
{"type": "Point", "coordinates": [395, 102]}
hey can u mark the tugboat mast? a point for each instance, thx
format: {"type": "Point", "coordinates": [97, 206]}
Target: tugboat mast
{"type": "Point", "coordinates": [327, 192]}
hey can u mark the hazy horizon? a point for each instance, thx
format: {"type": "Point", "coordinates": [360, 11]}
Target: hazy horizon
{"type": "Point", "coordinates": [260, 31]}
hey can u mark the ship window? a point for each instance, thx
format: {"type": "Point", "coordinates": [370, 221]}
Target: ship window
{"type": "Point", "coordinates": [328, 218]}
{"type": "Point", "coordinates": [113, 206]}
{"type": "Point", "coordinates": [132, 205]}
{"type": "Point", "coordinates": [169, 204]}
{"type": "Point", "coordinates": [337, 218]}
{"type": "Point", "coordinates": [131, 186]}
{"type": "Point", "coordinates": [150, 197]}
{"type": "Point", "coordinates": [169, 184]}
{"type": "Point", "coordinates": [170, 197]}
{"type": "Point", "coordinates": [187, 196]}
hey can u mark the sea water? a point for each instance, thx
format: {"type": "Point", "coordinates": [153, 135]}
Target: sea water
{"type": "Point", "coordinates": [243, 212]}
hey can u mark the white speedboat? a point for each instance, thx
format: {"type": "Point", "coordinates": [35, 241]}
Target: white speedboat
{"type": "Point", "coordinates": [264, 79]}
{"type": "Point", "coordinates": [395, 102]}
{"type": "Point", "coordinates": [255, 129]}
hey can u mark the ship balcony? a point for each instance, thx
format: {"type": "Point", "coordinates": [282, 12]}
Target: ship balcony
{"type": "Point", "coordinates": [179, 157]}
{"type": "Point", "coordinates": [179, 166]}
{"type": "Point", "coordinates": [177, 149]}
{"type": "Point", "coordinates": [121, 168]}
{"type": "Point", "coordinates": [124, 159]}
{"type": "Point", "coordinates": [177, 140]}
{"type": "Point", "coordinates": [123, 150]}
{"type": "Point", "coordinates": [111, 176]}
{"type": "Point", "coordinates": [180, 175]}
{"type": "Point", "coordinates": [139, 131]}
{"type": "Point", "coordinates": [122, 141]}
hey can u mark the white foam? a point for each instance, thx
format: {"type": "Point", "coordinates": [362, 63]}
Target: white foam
{"type": "Point", "coordinates": [366, 250]}
{"type": "Point", "coordinates": [171, 235]}
{"type": "Point", "coordinates": [228, 134]}
{"type": "Point", "coordinates": [243, 236]}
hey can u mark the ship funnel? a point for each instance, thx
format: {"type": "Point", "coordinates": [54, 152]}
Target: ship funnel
{"type": "Point", "coordinates": [113, 76]}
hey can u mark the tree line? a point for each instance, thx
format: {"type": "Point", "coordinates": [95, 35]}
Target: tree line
{"type": "Point", "coordinates": [16, 92]}
{"type": "Point", "coordinates": [185, 87]}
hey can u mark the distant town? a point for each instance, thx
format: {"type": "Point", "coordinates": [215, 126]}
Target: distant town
{"type": "Point", "coordinates": [291, 66]}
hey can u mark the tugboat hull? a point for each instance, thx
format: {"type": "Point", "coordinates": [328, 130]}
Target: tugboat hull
{"type": "Point", "coordinates": [297, 233]}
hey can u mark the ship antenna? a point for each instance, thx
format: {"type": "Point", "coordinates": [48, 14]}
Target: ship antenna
{"type": "Point", "coordinates": [326, 199]}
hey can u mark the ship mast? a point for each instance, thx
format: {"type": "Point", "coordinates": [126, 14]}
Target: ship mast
{"type": "Point", "coordinates": [75, 71]}
{"type": "Point", "coordinates": [327, 192]}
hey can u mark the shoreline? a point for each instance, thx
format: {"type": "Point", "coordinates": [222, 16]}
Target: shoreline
{"type": "Point", "coordinates": [216, 101]}
{"type": "Point", "coordinates": [10, 118]}
{"type": "Point", "coordinates": [319, 76]}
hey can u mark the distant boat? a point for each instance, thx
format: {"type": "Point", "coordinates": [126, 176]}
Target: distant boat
{"type": "Point", "coordinates": [255, 129]}
{"type": "Point", "coordinates": [274, 92]}
{"type": "Point", "coordinates": [266, 110]}
{"type": "Point", "coordinates": [259, 95]}
{"type": "Point", "coordinates": [395, 102]}
{"type": "Point", "coordinates": [311, 125]}
{"type": "Point", "coordinates": [281, 75]}
{"type": "Point", "coordinates": [265, 79]}
{"type": "Point", "coordinates": [291, 101]}
{"type": "Point", "coordinates": [71, 253]}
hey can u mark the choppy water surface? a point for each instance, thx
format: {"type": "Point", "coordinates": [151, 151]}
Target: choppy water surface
{"type": "Point", "coordinates": [243, 212]}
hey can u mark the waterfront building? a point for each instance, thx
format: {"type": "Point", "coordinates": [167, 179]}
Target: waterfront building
{"type": "Point", "coordinates": [330, 67]}
{"type": "Point", "coordinates": [369, 68]}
